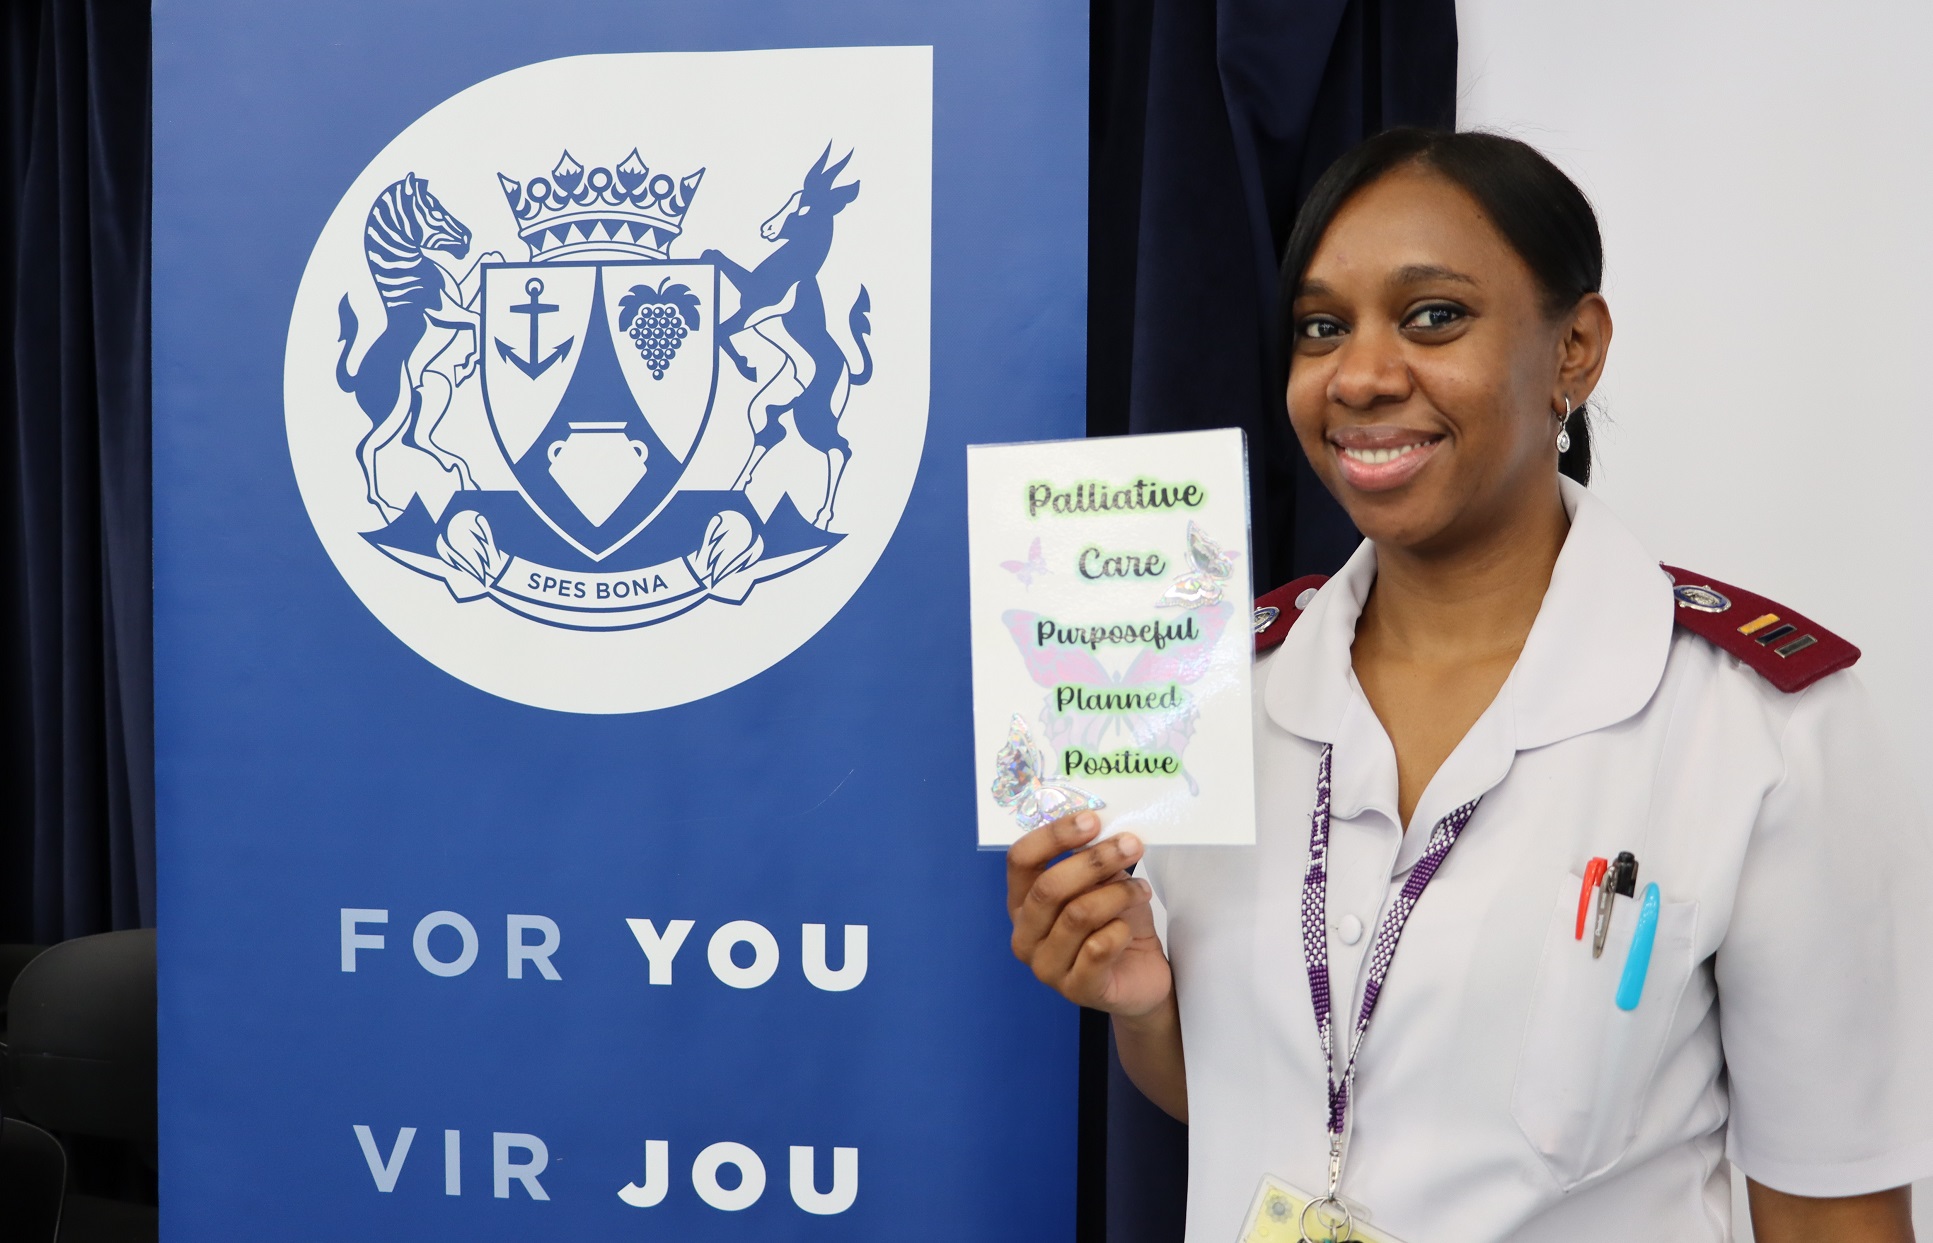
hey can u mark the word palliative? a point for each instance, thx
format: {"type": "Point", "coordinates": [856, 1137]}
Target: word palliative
{"type": "Point", "coordinates": [1093, 497]}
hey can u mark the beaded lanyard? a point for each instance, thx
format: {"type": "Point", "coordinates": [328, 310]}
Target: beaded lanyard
{"type": "Point", "coordinates": [1315, 952]}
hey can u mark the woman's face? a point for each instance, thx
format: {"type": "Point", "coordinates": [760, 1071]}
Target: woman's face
{"type": "Point", "coordinates": [1427, 372]}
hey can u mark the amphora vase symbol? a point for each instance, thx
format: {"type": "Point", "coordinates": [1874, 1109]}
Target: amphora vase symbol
{"type": "Point", "coordinates": [597, 466]}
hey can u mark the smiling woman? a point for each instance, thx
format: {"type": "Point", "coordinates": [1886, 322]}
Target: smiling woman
{"type": "Point", "coordinates": [1443, 322]}
{"type": "Point", "coordinates": [1532, 207]}
{"type": "Point", "coordinates": [1607, 821]}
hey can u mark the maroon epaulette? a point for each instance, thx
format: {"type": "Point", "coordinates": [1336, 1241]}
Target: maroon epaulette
{"type": "Point", "coordinates": [1278, 610]}
{"type": "Point", "coordinates": [1786, 648]}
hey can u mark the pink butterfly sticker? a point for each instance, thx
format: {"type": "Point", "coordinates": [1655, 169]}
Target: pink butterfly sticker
{"type": "Point", "coordinates": [1068, 672]}
{"type": "Point", "coordinates": [1027, 570]}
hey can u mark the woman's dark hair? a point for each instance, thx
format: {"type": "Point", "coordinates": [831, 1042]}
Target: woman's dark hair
{"type": "Point", "coordinates": [1540, 212]}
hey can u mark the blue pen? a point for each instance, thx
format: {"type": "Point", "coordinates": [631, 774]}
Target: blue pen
{"type": "Point", "coordinates": [1638, 962]}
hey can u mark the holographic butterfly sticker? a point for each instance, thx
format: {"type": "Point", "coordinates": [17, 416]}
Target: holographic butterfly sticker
{"type": "Point", "coordinates": [1202, 584]}
{"type": "Point", "coordinates": [1019, 786]}
{"type": "Point", "coordinates": [1026, 571]}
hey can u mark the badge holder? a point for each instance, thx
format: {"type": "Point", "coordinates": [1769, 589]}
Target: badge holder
{"type": "Point", "coordinates": [1282, 1214]}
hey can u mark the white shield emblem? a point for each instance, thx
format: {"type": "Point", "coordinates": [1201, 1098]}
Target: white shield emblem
{"type": "Point", "coordinates": [598, 379]}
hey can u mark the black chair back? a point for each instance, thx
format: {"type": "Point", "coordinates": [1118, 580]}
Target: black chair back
{"type": "Point", "coordinates": [33, 1173]}
{"type": "Point", "coordinates": [80, 1038]}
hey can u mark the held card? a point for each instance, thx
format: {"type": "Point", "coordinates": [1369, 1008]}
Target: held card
{"type": "Point", "coordinates": [1112, 636]}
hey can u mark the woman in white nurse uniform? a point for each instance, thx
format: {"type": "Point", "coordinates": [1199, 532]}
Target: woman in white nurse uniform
{"type": "Point", "coordinates": [1398, 1020]}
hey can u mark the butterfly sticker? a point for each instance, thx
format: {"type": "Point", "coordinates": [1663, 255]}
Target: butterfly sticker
{"type": "Point", "coordinates": [1070, 673]}
{"type": "Point", "coordinates": [1027, 570]}
{"type": "Point", "coordinates": [1019, 786]}
{"type": "Point", "coordinates": [1203, 583]}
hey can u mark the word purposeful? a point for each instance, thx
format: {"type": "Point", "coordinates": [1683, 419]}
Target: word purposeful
{"type": "Point", "coordinates": [1099, 497]}
{"type": "Point", "coordinates": [1158, 634]}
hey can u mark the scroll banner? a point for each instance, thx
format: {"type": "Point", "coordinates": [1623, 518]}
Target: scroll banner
{"type": "Point", "coordinates": [566, 792]}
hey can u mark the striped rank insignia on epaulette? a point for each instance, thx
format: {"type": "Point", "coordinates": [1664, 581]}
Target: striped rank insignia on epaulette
{"type": "Point", "coordinates": [1787, 648]}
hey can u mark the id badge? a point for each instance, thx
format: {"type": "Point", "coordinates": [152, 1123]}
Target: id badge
{"type": "Point", "coordinates": [1282, 1214]}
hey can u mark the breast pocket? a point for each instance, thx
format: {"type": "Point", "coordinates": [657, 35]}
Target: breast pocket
{"type": "Point", "coordinates": [1586, 1066]}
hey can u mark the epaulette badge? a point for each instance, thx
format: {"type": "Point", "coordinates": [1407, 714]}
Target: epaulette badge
{"type": "Point", "coordinates": [1786, 648]}
{"type": "Point", "coordinates": [1279, 609]}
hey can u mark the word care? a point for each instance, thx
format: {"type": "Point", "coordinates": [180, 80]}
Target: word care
{"type": "Point", "coordinates": [1111, 623]}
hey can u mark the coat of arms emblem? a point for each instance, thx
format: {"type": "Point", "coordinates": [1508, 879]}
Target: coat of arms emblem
{"type": "Point", "coordinates": [597, 356]}
{"type": "Point", "coordinates": [605, 408]}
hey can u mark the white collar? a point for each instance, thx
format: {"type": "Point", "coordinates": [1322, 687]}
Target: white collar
{"type": "Point", "coordinates": [1594, 657]}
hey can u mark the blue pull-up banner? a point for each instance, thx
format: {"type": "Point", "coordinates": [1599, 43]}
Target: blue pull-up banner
{"type": "Point", "coordinates": [566, 818]}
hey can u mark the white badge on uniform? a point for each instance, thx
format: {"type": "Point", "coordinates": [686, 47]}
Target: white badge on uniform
{"type": "Point", "coordinates": [1282, 1214]}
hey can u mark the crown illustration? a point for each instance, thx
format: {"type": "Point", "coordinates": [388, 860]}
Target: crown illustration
{"type": "Point", "coordinates": [627, 212]}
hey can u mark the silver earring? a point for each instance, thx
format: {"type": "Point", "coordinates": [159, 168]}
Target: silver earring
{"type": "Point", "coordinates": [1564, 429]}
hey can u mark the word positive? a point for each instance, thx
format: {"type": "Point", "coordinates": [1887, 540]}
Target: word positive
{"type": "Point", "coordinates": [1126, 762]}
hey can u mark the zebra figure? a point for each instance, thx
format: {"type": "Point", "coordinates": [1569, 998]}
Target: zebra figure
{"type": "Point", "coordinates": [412, 369]}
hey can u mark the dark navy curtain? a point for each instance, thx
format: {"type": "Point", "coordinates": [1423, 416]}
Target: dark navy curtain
{"type": "Point", "coordinates": [77, 766]}
{"type": "Point", "coordinates": [1211, 119]}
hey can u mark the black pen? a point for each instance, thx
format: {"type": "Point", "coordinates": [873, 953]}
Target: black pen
{"type": "Point", "coordinates": [1620, 878]}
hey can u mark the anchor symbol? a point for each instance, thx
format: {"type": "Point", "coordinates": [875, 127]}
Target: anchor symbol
{"type": "Point", "coordinates": [535, 308]}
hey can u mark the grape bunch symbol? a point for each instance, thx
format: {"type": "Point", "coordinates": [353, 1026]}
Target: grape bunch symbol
{"type": "Point", "coordinates": [658, 320]}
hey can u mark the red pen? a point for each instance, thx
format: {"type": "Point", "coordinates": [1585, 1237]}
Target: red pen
{"type": "Point", "coordinates": [1593, 873]}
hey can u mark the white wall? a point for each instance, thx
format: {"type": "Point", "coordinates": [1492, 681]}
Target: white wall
{"type": "Point", "coordinates": [1764, 175]}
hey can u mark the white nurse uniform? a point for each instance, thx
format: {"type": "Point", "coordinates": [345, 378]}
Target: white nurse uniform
{"type": "Point", "coordinates": [1787, 1017]}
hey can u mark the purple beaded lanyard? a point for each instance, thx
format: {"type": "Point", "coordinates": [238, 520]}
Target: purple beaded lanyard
{"type": "Point", "coordinates": [1315, 951]}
